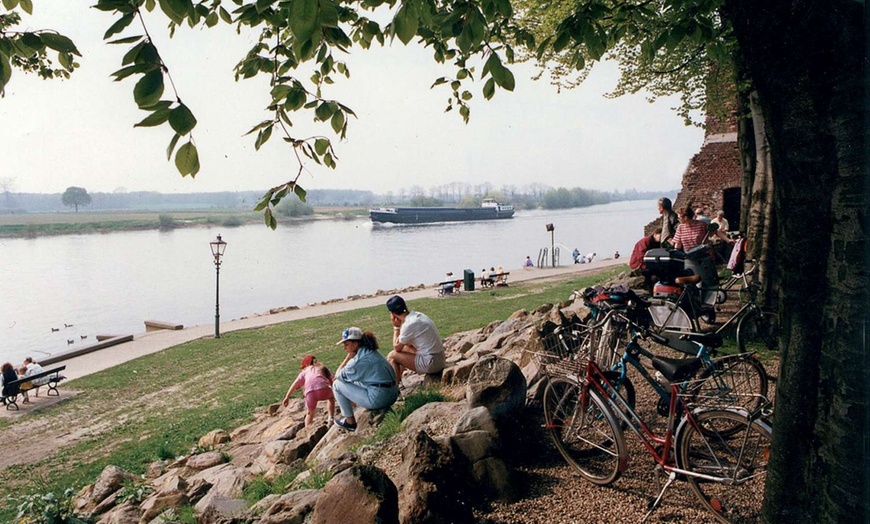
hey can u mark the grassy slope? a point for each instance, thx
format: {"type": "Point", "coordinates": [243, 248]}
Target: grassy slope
{"type": "Point", "coordinates": [161, 404]}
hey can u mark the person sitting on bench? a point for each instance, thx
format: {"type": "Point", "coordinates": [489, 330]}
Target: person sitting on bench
{"type": "Point", "coordinates": [7, 375]}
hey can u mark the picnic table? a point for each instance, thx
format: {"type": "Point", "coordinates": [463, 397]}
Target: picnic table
{"type": "Point", "coordinates": [13, 387]}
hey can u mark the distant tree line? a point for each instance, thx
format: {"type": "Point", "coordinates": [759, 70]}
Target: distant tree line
{"type": "Point", "coordinates": [532, 196]}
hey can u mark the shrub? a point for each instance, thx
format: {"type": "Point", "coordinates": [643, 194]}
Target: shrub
{"type": "Point", "coordinates": [166, 221]}
{"type": "Point", "coordinates": [317, 480]}
{"type": "Point", "coordinates": [259, 487]}
{"type": "Point", "coordinates": [164, 453]}
{"type": "Point", "coordinates": [292, 207]}
{"type": "Point", "coordinates": [135, 491]}
{"type": "Point", "coordinates": [48, 508]}
{"type": "Point", "coordinates": [232, 221]}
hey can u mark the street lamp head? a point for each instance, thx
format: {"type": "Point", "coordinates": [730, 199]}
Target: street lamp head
{"type": "Point", "coordinates": [550, 227]}
{"type": "Point", "coordinates": [217, 248]}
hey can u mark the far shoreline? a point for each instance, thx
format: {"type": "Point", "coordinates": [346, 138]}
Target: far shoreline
{"type": "Point", "coordinates": [35, 225]}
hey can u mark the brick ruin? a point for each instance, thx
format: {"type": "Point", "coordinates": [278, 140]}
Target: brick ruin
{"type": "Point", "coordinates": [712, 179]}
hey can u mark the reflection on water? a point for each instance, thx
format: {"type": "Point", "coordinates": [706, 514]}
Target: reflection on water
{"type": "Point", "coordinates": [112, 283]}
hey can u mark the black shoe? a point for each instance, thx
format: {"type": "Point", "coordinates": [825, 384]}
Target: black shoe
{"type": "Point", "coordinates": [343, 423]}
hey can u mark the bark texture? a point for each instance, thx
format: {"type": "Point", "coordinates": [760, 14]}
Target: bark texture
{"type": "Point", "coordinates": [807, 61]}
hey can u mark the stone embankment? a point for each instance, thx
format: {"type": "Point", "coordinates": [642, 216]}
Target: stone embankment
{"type": "Point", "coordinates": [447, 459]}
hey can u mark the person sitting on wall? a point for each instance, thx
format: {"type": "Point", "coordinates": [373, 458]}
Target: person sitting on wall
{"type": "Point", "coordinates": [527, 263]}
{"type": "Point", "coordinates": [575, 255]}
{"type": "Point", "coordinates": [416, 342]}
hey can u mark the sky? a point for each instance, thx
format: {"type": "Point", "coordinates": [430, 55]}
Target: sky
{"type": "Point", "coordinates": [79, 132]}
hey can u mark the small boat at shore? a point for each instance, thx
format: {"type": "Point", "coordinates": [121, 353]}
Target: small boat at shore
{"type": "Point", "coordinates": [489, 210]}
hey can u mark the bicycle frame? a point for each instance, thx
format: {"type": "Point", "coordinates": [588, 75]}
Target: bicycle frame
{"type": "Point", "coordinates": [595, 378]}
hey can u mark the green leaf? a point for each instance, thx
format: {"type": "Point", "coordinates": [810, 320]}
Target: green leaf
{"type": "Point", "coordinates": [406, 23]}
{"type": "Point", "coordinates": [337, 121]}
{"type": "Point", "coordinates": [124, 72]}
{"type": "Point", "coordinates": [5, 71]}
{"type": "Point", "coordinates": [262, 5]}
{"type": "Point", "coordinates": [212, 19]}
{"type": "Point", "coordinates": [225, 16]}
{"type": "Point", "coordinates": [300, 193]}
{"type": "Point", "coordinates": [66, 60]}
{"type": "Point", "coordinates": [27, 5]}
{"type": "Point", "coordinates": [171, 147]}
{"type": "Point", "coordinates": [489, 89]}
{"type": "Point", "coordinates": [59, 43]}
{"type": "Point", "coordinates": [321, 146]}
{"type": "Point", "coordinates": [176, 10]}
{"type": "Point", "coordinates": [270, 219]}
{"type": "Point", "coordinates": [154, 119]}
{"type": "Point", "coordinates": [182, 120]}
{"type": "Point", "coordinates": [119, 25]}
{"type": "Point", "coordinates": [263, 137]}
{"type": "Point", "coordinates": [295, 99]}
{"type": "Point", "coordinates": [303, 19]}
{"type": "Point", "coordinates": [10, 4]}
{"type": "Point", "coordinates": [324, 111]}
{"type": "Point", "coordinates": [187, 160]}
{"type": "Point", "coordinates": [127, 40]}
{"type": "Point", "coordinates": [149, 88]}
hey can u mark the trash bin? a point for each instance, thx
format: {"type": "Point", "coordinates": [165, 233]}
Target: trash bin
{"type": "Point", "coordinates": [468, 281]}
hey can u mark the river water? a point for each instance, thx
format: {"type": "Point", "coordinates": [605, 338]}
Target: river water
{"type": "Point", "coordinates": [85, 285]}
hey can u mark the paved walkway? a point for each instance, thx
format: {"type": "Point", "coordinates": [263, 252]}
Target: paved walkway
{"type": "Point", "coordinates": [147, 343]}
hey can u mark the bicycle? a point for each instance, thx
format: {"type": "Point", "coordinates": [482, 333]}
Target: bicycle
{"type": "Point", "coordinates": [721, 451]}
{"type": "Point", "coordinates": [737, 379]}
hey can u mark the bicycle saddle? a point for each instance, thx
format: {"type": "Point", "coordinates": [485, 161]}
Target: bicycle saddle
{"type": "Point", "coordinates": [677, 369]}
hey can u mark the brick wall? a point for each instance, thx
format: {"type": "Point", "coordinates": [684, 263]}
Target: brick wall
{"type": "Point", "coordinates": [714, 169]}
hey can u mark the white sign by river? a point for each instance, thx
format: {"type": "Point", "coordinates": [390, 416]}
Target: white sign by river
{"type": "Point", "coordinates": [58, 293]}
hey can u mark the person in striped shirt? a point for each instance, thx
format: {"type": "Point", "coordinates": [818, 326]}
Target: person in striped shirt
{"type": "Point", "coordinates": [690, 232]}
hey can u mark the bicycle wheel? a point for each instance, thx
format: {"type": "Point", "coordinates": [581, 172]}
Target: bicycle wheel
{"type": "Point", "coordinates": [589, 439]}
{"type": "Point", "coordinates": [757, 329]}
{"type": "Point", "coordinates": [734, 381]}
{"type": "Point", "coordinates": [734, 465]}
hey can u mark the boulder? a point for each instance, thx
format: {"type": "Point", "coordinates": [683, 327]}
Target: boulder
{"type": "Point", "coordinates": [431, 484]}
{"type": "Point", "coordinates": [493, 477]}
{"type": "Point", "coordinates": [458, 373]}
{"type": "Point", "coordinates": [359, 495]}
{"type": "Point", "coordinates": [290, 508]}
{"type": "Point", "coordinates": [124, 514]}
{"type": "Point", "coordinates": [287, 451]}
{"type": "Point", "coordinates": [206, 460]}
{"type": "Point", "coordinates": [475, 445]}
{"type": "Point", "coordinates": [476, 419]}
{"type": "Point", "coordinates": [110, 480]}
{"type": "Point", "coordinates": [213, 438]}
{"type": "Point", "coordinates": [219, 509]}
{"type": "Point", "coordinates": [499, 385]}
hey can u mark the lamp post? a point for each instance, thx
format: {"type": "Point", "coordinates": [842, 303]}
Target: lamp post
{"type": "Point", "coordinates": [551, 229]}
{"type": "Point", "coordinates": [217, 250]}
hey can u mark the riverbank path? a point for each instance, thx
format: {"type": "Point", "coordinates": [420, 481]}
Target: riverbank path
{"type": "Point", "coordinates": [152, 342]}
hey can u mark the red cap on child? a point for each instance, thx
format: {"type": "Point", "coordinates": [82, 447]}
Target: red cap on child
{"type": "Point", "coordinates": [306, 361]}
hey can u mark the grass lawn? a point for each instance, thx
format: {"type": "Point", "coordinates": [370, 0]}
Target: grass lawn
{"type": "Point", "coordinates": [158, 406]}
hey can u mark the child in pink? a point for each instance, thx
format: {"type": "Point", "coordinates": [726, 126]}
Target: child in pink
{"type": "Point", "coordinates": [316, 382]}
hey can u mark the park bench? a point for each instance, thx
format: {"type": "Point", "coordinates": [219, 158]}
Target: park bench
{"type": "Point", "coordinates": [500, 278]}
{"type": "Point", "coordinates": [14, 386]}
{"type": "Point", "coordinates": [449, 287]}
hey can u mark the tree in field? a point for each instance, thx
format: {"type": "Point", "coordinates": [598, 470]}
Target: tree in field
{"type": "Point", "coordinates": [806, 62]}
{"type": "Point", "coordinates": [75, 197]}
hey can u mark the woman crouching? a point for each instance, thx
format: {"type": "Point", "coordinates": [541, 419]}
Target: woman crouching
{"type": "Point", "coordinates": [364, 378]}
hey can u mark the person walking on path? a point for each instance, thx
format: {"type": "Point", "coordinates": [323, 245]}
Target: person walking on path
{"type": "Point", "coordinates": [416, 342]}
{"type": "Point", "coordinates": [315, 380]}
{"type": "Point", "coordinates": [364, 378]}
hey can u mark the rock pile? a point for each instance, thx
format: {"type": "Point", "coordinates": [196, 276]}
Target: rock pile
{"type": "Point", "coordinates": [446, 456]}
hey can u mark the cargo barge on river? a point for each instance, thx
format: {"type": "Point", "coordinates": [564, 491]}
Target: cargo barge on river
{"type": "Point", "coordinates": [489, 210]}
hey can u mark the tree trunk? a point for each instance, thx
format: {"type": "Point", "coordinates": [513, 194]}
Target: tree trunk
{"type": "Point", "coordinates": [807, 62]}
{"type": "Point", "coordinates": [761, 218]}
